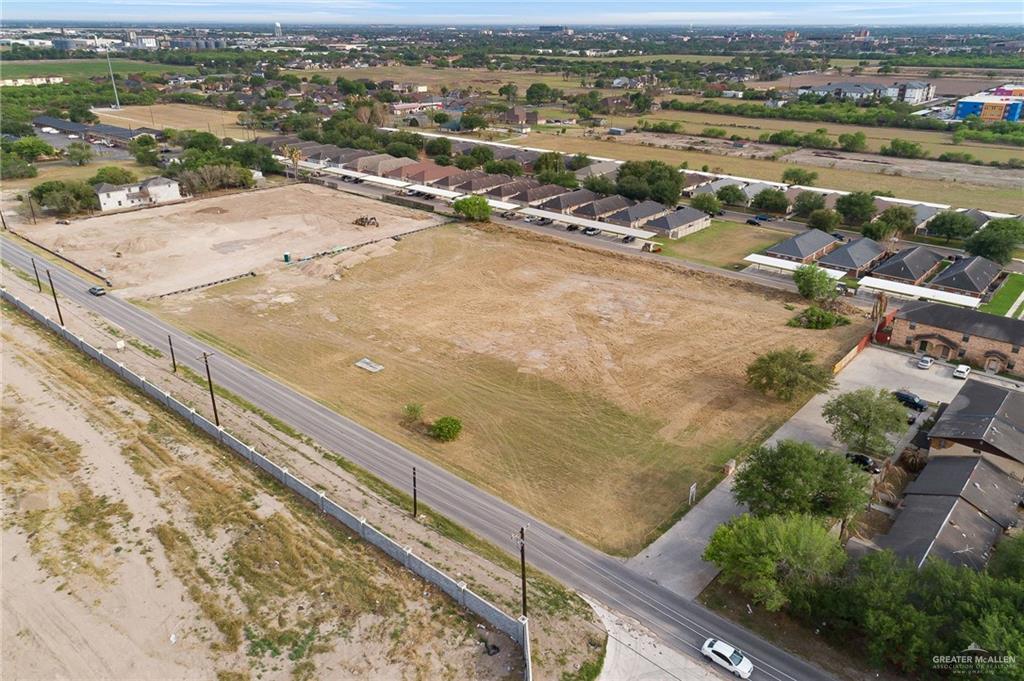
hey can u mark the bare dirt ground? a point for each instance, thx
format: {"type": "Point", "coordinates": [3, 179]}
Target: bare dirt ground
{"type": "Point", "coordinates": [922, 168]}
{"type": "Point", "coordinates": [594, 388]}
{"type": "Point", "coordinates": [135, 548]}
{"type": "Point", "coordinates": [564, 632]}
{"type": "Point", "coordinates": [157, 250]}
{"type": "Point", "coordinates": [220, 122]}
{"type": "Point", "coordinates": [703, 144]}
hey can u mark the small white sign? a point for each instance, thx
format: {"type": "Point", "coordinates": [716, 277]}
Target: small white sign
{"type": "Point", "coordinates": [369, 365]}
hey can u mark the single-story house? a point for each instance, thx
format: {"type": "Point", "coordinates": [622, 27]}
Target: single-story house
{"type": "Point", "coordinates": [478, 185]}
{"type": "Point", "coordinates": [693, 180]}
{"type": "Point", "coordinates": [755, 188]}
{"type": "Point", "coordinates": [350, 155]}
{"type": "Point", "coordinates": [367, 164]}
{"type": "Point", "coordinates": [602, 207]}
{"type": "Point", "coordinates": [463, 146]}
{"type": "Point", "coordinates": [679, 223]}
{"type": "Point", "coordinates": [510, 189]}
{"type": "Point", "coordinates": [458, 179]}
{"type": "Point", "coordinates": [714, 186]}
{"type": "Point", "coordinates": [563, 203]}
{"type": "Point", "coordinates": [955, 511]}
{"type": "Point", "coordinates": [638, 214]}
{"type": "Point", "coordinates": [597, 169]}
{"type": "Point", "coordinates": [149, 192]}
{"type": "Point", "coordinates": [855, 257]}
{"type": "Point", "coordinates": [403, 172]}
{"type": "Point", "coordinates": [971, 276]}
{"type": "Point", "coordinates": [983, 419]}
{"type": "Point", "coordinates": [381, 166]}
{"type": "Point", "coordinates": [805, 247]}
{"type": "Point", "coordinates": [526, 157]}
{"type": "Point", "coordinates": [534, 196]}
{"type": "Point", "coordinates": [909, 266]}
{"type": "Point", "coordinates": [985, 340]}
{"type": "Point", "coordinates": [923, 215]}
{"type": "Point", "coordinates": [977, 217]}
{"type": "Point", "coordinates": [432, 173]}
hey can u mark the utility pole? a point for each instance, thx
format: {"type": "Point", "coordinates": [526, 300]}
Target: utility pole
{"type": "Point", "coordinates": [522, 564]}
{"type": "Point", "coordinates": [32, 208]}
{"type": "Point", "coordinates": [53, 290]}
{"type": "Point", "coordinates": [174, 363]}
{"type": "Point", "coordinates": [414, 502]}
{"type": "Point", "coordinates": [117, 102]}
{"type": "Point", "coordinates": [3, 220]}
{"type": "Point", "coordinates": [209, 382]}
{"type": "Point", "coordinates": [39, 284]}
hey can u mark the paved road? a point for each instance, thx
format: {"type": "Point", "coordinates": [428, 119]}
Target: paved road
{"type": "Point", "coordinates": [681, 623]}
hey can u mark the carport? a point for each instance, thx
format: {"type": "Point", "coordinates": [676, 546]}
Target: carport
{"type": "Point", "coordinates": [435, 191]}
{"type": "Point", "coordinates": [584, 222]}
{"type": "Point", "coordinates": [766, 261]}
{"type": "Point", "coordinates": [919, 292]}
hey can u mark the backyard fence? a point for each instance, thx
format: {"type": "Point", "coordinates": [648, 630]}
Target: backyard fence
{"type": "Point", "coordinates": [517, 629]}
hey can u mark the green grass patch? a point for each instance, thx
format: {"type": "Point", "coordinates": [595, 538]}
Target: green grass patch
{"type": "Point", "coordinates": [145, 348]}
{"type": "Point", "coordinates": [1006, 296]}
{"type": "Point", "coordinates": [78, 69]}
{"type": "Point", "coordinates": [724, 244]}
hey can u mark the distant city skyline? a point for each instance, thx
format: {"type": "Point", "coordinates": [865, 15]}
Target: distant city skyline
{"type": "Point", "coordinates": [528, 12]}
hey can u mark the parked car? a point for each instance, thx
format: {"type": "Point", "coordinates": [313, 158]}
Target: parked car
{"type": "Point", "coordinates": [962, 371]}
{"type": "Point", "coordinates": [628, 239]}
{"type": "Point", "coordinates": [544, 221]}
{"type": "Point", "coordinates": [925, 362]}
{"type": "Point", "coordinates": [754, 222]}
{"type": "Point", "coordinates": [63, 222]}
{"type": "Point", "coordinates": [864, 461]}
{"type": "Point", "coordinates": [839, 236]}
{"type": "Point", "coordinates": [720, 213]}
{"type": "Point", "coordinates": [97, 290]}
{"type": "Point", "coordinates": [508, 214]}
{"type": "Point", "coordinates": [725, 655]}
{"type": "Point", "coordinates": [763, 218]}
{"type": "Point", "coordinates": [571, 228]}
{"type": "Point", "coordinates": [911, 400]}
{"type": "Point", "coordinates": [591, 231]}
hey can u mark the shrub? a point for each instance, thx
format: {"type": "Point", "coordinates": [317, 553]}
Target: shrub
{"type": "Point", "coordinates": [473, 208]}
{"type": "Point", "coordinates": [412, 413]}
{"type": "Point", "coordinates": [112, 175]}
{"type": "Point", "coordinates": [446, 428]}
{"type": "Point", "coordinates": [816, 318]}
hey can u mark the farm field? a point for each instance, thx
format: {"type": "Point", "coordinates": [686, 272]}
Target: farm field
{"type": "Point", "coordinates": [134, 547]}
{"type": "Point", "coordinates": [168, 248]}
{"type": "Point", "coordinates": [957, 194]}
{"type": "Point", "coordinates": [594, 388]}
{"type": "Point", "coordinates": [1004, 299]}
{"type": "Point", "coordinates": [723, 244]}
{"type": "Point", "coordinates": [934, 142]}
{"type": "Point", "coordinates": [78, 69]}
{"type": "Point", "coordinates": [181, 116]}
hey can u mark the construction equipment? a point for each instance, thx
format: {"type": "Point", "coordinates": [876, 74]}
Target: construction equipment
{"type": "Point", "coordinates": [366, 221]}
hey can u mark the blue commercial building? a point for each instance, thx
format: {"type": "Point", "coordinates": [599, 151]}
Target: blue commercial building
{"type": "Point", "coordinates": [990, 108]}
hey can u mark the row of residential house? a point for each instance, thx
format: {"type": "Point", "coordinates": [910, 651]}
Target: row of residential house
{"type": "Point", "coordinates": [911, 92]}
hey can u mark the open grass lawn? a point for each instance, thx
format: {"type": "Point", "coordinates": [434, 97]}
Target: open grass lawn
{"type": "Point", "coordinates": [1006, 296]}
{"type": "Point", "coordinates": [954, 193]}
{"type": "Point", "coordinates": [594, 388]}
{"type": "Point", "coordinates": [935, 142]}
{"type": "Point", "coordinates": [83, 68]}
{"type": "Point", "coordinates": [723, 244]}
{"type": "Point", "coordinates": [62, 170]}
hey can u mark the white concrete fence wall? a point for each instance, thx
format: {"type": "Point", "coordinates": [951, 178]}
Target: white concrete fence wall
{"type": "Point", "coordinates": [517, 629]}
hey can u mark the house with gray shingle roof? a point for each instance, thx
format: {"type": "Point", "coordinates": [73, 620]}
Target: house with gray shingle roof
{"type": "Point", "coordinates": [755, 188]}
{"type": "Point", "coordinates": [713, 187]}
{"type": "Point", "coordinates": [804, 247]}
{"type": "Point", "coordinates": [637, 214]}
{"type": "Point", "coordinates": [977, 217]}
{"type": "Point", "coordinates": [923, 215]}
{"type": "Point", "coordinates": [510, 189]}
{"type": "Point", "coordinates": [537, 195]}
{"type": "Point", "coordinates": [971, 276]}
{"type": "Point", "coordinates": [855, 257]}
{"type": "Point", "coordinates": [487, 181]}
{"type": "Point", "coordinates": [568, 201]}
{"type": "Point", "coordinates": [602, 207]}
{"type": "Point", "coordinates": [680, 223]}
{"type": "Point", "coordinates": [598, 169]}
{"type": "Point", "coordinates": [459, 179]}
{"type": "Point", "coordinates": [909, 266]}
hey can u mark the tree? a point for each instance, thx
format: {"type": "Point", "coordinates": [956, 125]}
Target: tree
{"type": "Point", "coordinates": [951, 224]}
{"type": "Point", "coordinates": [794, 175]}
{"type": "Point", "coordinates": [441, 117]}
{"type": "Point", "coordinates": [551, 161]}
{"type": "Point", "coordinates": [563, 178]}
{"type": "Point", "coordinates": [539, 93]}
{"type": "Point", "coordinates": [633, 187]}
{"type": "Point", "coordinates": [797, 477]}
{"type": "Point", "coordinates": [863, 419]}
{"type": "Point", "coordinates": [439, 146]}
{"type": "Point", "coordinates": [901, 219]}
{"type": "Point", "coordinates": [649, 179]}
{"type": "Point", "coordinates": [857, 141]}
{"type": "Point", "coordinates": [14, 167]}
{"type": "Point", "coordinates": [509, 91]}
{"type": "Point", "coordinates": [599, 184]}
{"type": "Point", "coordinates": [1008, 561]}
{"type": "Point", "coordinates": [112, 175]}
{"type": "Point", "coordinates": [903, 149]}
{"type": "Point", "coordinates": [79, 112]}
{"type": "Point", "coordinates": [203, 141]}
{"type": "Point", "coordinates": [788, 372]}
{"type": "Point", "coordinates": [472, 121]}
{"type": "Point", "coordinates": [294, 155]}
{"type": "Point", "coordinates": [708, 203]}
{"type": "Point", "coordinates": [79, 153]}
{"type": "Point", "coordinates": [482, 154]}
{"type": "Point", "coordinates": [824, 219]}
{"type": "Point", "coordinates": [466, 162]}
{"type": "Point", "coordinates": [994, 244]}
{"type": "Point", "coordinates": [30, 148]}
{"type": "Point", "coordinates": [446, 428]}
{"type": "Point", "coordinates": [808, 202]}
{"type": "Point", "coordinates": [771, 200]}
{"type": "Point", "coordinates": [732, 195]}
{"type": "Point", "coordinates": [504, 167]}
{"type": "Point", "coordinates": [813, 283]}
{"type": "Point", "coordinates": [402, 149]}
{"type": "Point", "coordinates": [473, 208]}
{"type": "Point", "coordinates": [144, 149]}
{"type": "Point", "coordinates": [578, 161]}
{"type": "Point", "coordinates": [856, 208]}
{"type": "Point", "coordinates": [773, 556]}
{"type": "Point", "coordinates": [255, 156]}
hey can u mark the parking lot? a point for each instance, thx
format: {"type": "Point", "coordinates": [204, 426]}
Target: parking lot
{"type": "Point", "coordinates": [59, 141]}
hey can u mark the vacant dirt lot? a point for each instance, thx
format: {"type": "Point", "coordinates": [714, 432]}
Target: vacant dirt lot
{"type": "Point", "coordinates": [702, 144]}
{"type": "Point", "coordinates": [220, 122]}
{"type": "Point", "coordinates": [134, 548]}
{"type": "Point", "coordinates": [594, 389]}
{"type": "Point", "coordinates": [158, 250]}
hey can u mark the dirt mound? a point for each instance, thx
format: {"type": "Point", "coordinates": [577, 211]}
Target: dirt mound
{"type": "Point", "coordinates": [140, 244]}
{"type": "Point", "coordinates": [212, 210]}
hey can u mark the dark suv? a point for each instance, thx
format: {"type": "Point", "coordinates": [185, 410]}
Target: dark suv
{"type": "Point", "coordinates": [911, 400]}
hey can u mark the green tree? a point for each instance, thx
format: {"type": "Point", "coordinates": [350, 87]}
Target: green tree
{"type": "Point", "coordinates": [412, 413]}
{"type": "Point", "coordinates": [824, 219]}
{"type": "Point", "coordinates": [863, 419]}
{"type": "Point", "coordinates": [504, 167]}
{"type": "Point", "coordinates": [472, 121]}
{"type": "Point", "coordinates": [856, 208]}
{"type": "Point", "coordinates": [473, 208]}
{"type": "Point", "coordinates": [482, 153]}
{"type": "Point", "coordinates": [401, 149]}
{"type": "Point", "coordinates": [599, 184]}
{"type": "Point", "coordinates": [951, 224]}
{"type": "Point", "coordinates": [441, 117]}
{"type": "Point", "coordinates": [797, 477]}
{"type": "Point", "coordinates": [144, 149]}
{"type": "Point", "coordinates": [509, 91]}
{"type": "Point", "coordinates": [732, 195]}
{"type": "Point", "coordinates": [539, 93]}
{"type": "Point", "coordinates": [203, 141]}
{"type": "Point", "coordinates": [1008, 561]}
{"type": "Point", "coordinates": [439, 146]}
{"type": "Point", "coordinates": [813, 283]}
{"type": "Point", "coordinates": [708, 203]}
{"type": "Point", "coordinates": [112, 175]}
{"type": "Point", "coordinates": [79, 112]}
{"type": "Point", "coordinates": [578, 161]}
{"type": "Point", "coordinates": [788, 372]}
{"type": "Point", "coordinates": [771, 557]}
{"type": "Point", "coordinates": [551, 161]}
{"type": "Point", "coordinates": [446, 428]}
{"type": "Point", "coordinates": [30, 148]}
{"type": "Point", "coordinates": [900, 218]}
{"type": "Point", "coordinates": [14, 167]}
{"type": "Point", "coordinates": [62, 202]}
{"type": "Point", "coordinates": [903, 149]}
{"type": "Point", "coordinates": [562, 178]}
{"type": "Point", "coordinates": [466, 162]}
{"type": "Point", "coordinates": [771, 200]}
{"type": "Point", "coordinates": [857, 141]}
{"type": "Point", "coordinates": [78, 153]}
{"type": "Point", "coordinates": [793, 175]}
{"type": "Point", "coordinates": [995, 244]}
{"type": "Point", "coordinates": [808, 202]}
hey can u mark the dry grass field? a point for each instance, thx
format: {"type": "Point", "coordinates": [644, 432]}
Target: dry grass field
{"type": "Point", "coordinates": [593, 388]}
{"type": "Point", "coordinates": [723, 244]}
{"type": "Point", "coordinates": [960, 194]}
{"type": "Point", "coordinates": [220, 122]}
{"type": "Point", "coordinates": [135, 548]}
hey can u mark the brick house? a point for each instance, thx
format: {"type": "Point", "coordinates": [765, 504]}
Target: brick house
{"type": "Point", "coordinates": [805, 247]}
{"type": "Point", "coordinates": [909, 266]}
{"type": "Point", "coordinates": [984, 340]}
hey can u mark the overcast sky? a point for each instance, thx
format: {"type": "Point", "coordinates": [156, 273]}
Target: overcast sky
{"type": "Point", "coordinates": [529, 12]}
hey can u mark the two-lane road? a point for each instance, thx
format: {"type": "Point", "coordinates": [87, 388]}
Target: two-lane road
{"type": "Point", "coordinates": [680, 623]}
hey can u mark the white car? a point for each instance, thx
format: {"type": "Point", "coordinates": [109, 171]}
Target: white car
{"type": "Point", "coordinates": [962, 371]}
{"type": "Point", "coordinates": [725, 655]}
{"type": "Point", "coordinates": [925, 362]}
